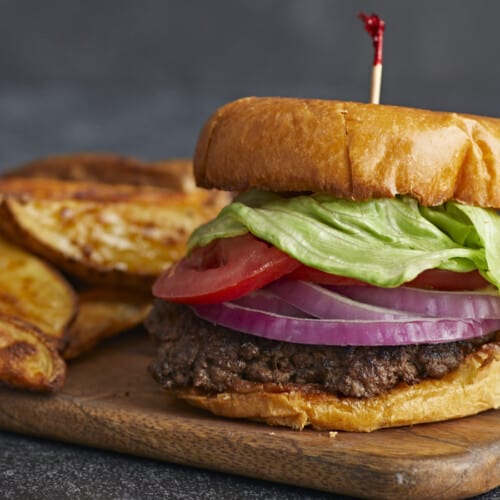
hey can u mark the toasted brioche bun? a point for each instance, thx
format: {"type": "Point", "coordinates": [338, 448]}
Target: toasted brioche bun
{"type": "Point", "coordinates": [472, 388]}
{"type": "Point", "coordinates": [350, 150]}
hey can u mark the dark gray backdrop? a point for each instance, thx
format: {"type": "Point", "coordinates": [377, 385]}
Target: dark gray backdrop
{"type": "Point", "coordinates": [139, 77]}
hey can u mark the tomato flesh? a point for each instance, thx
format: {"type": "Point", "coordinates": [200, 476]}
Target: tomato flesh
{"type": "Point", "coordinates": [439, 279]}
{"type": "Point", "coordinates": [224, 270]}
{"type": "Point", "coordinates": [436, 279]}
{"type": "Point", "coordinates": [229, 268]}
{"type": "Point", "coordinates": [306, 273]}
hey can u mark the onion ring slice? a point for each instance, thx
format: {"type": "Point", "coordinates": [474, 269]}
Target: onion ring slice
{"type": "Point", "coordinates": [324, 303]}
{"type": "Point", "coordinates": [433, 303]}
{"type": "Point", "coordinates": [343, 332]}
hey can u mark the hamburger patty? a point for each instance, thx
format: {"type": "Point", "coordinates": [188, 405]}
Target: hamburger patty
{"type": "Point", "coordinates": [195, 353]}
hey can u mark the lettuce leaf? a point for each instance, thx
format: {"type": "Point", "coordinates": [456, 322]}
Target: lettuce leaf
{"type": "Point", "coordinates": [487, 225]}
{"type": "Point", "coordinates": [385, 242]}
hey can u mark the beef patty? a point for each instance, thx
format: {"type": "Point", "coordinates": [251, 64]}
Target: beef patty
{"type": "Point", "coordinates": [193, 353]}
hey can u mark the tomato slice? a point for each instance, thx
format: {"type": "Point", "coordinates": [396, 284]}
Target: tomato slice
{"type": "Point", "coordinates": [229, 268]}
{"type": "Point", "coordinates": [306, 273]}
{"type": "Point", "coordinates": [223, 270]}
{"type": "Point", "coordinates": [439, 279]}
{"type": "Point", "coordinates": [436, 279]}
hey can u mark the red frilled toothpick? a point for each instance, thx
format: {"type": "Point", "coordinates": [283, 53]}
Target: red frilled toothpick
{"type": "Point", "coordinates": [375, 27]}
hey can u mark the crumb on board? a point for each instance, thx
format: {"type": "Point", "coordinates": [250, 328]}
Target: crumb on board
{"type": "Point", "coordinates": [332, 434]}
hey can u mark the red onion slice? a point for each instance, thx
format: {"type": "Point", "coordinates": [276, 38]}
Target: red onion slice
{"type": "Point", "coordinates": [343, 332]}
{"type": "Point", "coordinates": [471, 305]}
{"type": "Point", "coordinates": [265, 300]}
{"type": "Point", "coordinates": [322, 303]}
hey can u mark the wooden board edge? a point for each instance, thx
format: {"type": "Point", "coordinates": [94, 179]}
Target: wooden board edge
{"type": "Point", "coordinates": [177, 442]}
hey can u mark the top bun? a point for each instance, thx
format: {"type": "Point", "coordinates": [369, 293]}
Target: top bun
{"type": "Point", "coordinates": [350, 150]}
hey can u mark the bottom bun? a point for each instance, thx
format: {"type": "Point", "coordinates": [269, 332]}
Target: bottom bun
{"type": "Point", "coordinates": [472, 388]}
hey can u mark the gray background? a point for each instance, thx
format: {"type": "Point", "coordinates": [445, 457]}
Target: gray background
{"type": "Point", "coordinates": [140, 77]}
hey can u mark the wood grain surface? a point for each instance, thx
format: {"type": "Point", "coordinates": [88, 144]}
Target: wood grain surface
{"type": "Point", "coordinates": [109, 401]}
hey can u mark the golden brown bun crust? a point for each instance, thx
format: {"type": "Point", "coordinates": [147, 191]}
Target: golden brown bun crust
{"type": "Point", "coordinates": [350, 150]}
{"type": "Point", "coordinates": [470, 389]}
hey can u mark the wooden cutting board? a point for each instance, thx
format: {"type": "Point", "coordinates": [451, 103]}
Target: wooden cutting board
{"type": "Point", "coordinates": [110, 401]}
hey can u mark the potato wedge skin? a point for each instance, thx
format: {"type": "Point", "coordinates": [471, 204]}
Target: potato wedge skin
{"type": "Point", "coordinates": [104, 312]}
{"type": "Point", "coordinates": [55, 189]}
{"type": "Point", "coordinates": [114, 243]}
{"type": "Point", "coordinates": [105, 220]}
{"type": "Point", "coordinates": [108, 168]}
{"type": "Point", "coordinates": [27, 359]}
{"type": "Point", "coordinates": [33, 290]}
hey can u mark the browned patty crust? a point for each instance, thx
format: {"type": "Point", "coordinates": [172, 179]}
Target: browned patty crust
{"type": "Point", "coordinates": [193, 353]}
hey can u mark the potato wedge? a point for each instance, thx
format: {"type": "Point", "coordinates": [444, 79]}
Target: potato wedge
{"type": "Point", "coordinates": [102, 314]}
{"type": "Point", "coordinates": [35, 292]}
{"type": "Point", "coordinates": [55, 189]}
{"type": "Point", "coordinates": [175, 174]}
{"type": "Point", "coordinates": [112, 243]}
{"type": "Point", "coordinates": [27, 359]}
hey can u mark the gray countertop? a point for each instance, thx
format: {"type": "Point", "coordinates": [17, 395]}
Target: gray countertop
{"type": "Point", "coordinates": [37, 468]}
{"type": "Point", "coordinates": [149, 123]}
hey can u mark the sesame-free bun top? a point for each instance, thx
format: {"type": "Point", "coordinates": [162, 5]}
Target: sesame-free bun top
{"type": "Point", "coordinates": [350, 150]}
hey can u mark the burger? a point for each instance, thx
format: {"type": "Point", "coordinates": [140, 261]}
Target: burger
{"type": "Point", "coordinates": [352, 283]}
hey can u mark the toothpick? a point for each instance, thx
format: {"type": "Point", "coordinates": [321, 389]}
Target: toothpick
{"type": "Point", "coordinates": [375, 27]}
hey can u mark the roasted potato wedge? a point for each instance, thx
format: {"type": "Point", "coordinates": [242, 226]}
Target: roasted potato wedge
{"type": "Point", "coordinates": [113, 243]}
{"type": "Point", "coordinates": [102, 314]}
{"type": "Point", "coordinates": [35, 292]}
{"type": "Point", "coordinates": [175, 174]}
{"type": "Point", "coordinates": [55, 189]}
{"type": "Point", "coordinates": [27, 359]}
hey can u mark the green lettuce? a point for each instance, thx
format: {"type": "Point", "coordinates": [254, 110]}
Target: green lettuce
{"type": "Point", "coordinates": [385, 242]}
